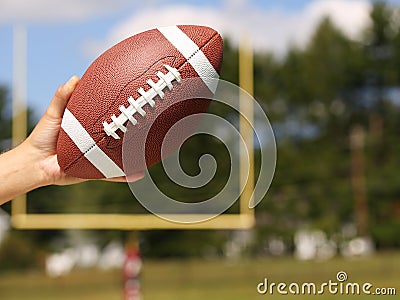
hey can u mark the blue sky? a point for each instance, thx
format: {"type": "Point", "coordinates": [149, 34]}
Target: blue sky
{"type": "Point", "coordinates": [64, 37]}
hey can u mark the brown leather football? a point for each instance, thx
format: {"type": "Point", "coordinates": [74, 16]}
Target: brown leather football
{"type": "Point", "coordinates": [135, 82]}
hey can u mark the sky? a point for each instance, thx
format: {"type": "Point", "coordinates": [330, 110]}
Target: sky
{"type": "Point", "coordinates": [64, 37]}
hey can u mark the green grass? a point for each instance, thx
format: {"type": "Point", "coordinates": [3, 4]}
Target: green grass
{"type": "Point", "coordinates": [205, 279]}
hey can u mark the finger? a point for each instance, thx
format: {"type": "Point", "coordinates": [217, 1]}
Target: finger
{"type": "Point", "coordinates": [129, 178]}
{"type": "Point", "coordinates": [61, 97]}
{"type": "Point", "coordinates": [115, 179]}
{"type": "Point", "coordinates": [134, 177]}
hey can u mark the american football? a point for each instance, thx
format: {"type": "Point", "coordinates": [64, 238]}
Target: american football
{"type": "Point", "coordinates": [131, 83]}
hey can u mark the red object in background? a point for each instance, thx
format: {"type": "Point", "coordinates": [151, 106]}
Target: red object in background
{"type": "Point", "coordinates": [131, 273]}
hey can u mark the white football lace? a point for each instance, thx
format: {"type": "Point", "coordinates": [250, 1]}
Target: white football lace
{"type": "Point", "coordinates": [136, 106]}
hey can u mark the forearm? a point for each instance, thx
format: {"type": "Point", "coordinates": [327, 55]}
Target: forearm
{"type": "Point", "coordinates": [20, 172]}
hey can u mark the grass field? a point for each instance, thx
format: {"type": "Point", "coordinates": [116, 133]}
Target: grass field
{"type": "Point", "coordinates": [198, 279]}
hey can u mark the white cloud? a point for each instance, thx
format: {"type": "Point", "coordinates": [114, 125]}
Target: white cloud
{"type": "Point", "coordinates": [349, 16]}
{"type": "Point", "coordinates": [272, 29]}
{"type": "Point", "coordinates": [56, 11]}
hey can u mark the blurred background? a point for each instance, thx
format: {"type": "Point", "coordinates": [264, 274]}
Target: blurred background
{"type": "Point", "coordinates": [327, 75]}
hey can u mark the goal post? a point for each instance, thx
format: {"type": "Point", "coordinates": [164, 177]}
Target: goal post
{"type": "Point", "coordinates": [22, 219]}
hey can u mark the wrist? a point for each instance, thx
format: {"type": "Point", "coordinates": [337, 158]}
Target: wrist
{"type": "Point", "coordinates": [31, 157]}
{"type": "Point", "coordinates": [19, 172]}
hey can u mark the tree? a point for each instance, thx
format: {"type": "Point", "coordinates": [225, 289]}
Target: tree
{"type": "Point", "coordinates": [5, 120]}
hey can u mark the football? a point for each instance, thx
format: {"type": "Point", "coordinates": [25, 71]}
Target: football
{"type": "Point", "coordinates": [137, 82]}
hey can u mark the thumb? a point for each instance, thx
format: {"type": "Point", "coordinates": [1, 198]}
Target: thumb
{"type": "Point", "coordinates": [61, 97]}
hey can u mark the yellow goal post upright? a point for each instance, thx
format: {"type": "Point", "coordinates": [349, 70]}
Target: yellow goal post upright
{"type": "Point", "coordinates": [22, 219]}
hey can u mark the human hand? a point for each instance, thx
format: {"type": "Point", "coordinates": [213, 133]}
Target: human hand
{"type": "Point", "coordinates": [33, 163]}
{"type": "Point", "coordinates": [43, 140]}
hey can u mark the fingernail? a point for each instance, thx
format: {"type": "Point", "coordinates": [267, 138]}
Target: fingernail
{"type": "Point", "coordinates": [135, 177]}
{"type": "Point", "coordinates": [74, 78]}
